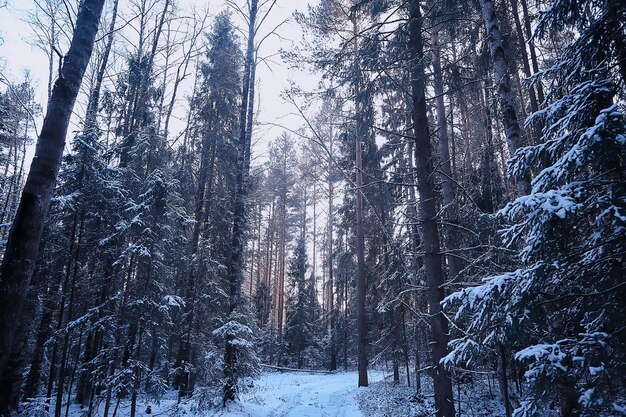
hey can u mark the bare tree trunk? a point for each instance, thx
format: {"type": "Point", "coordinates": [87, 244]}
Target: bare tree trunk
{"type": "Point", "coordinates": [25, 235]}
{"type": "Point", "coordinates": [534, 106]}
{"type": "Point", "coordinates": [449, 186]}
{"type": "Point", "coordinates": [395, 343]}
{"type": "Point", "coordinates": [405, 348]}
{"type": "Point", "coordinates": [280, 269]}
{"type": "Point", "coordinates": [330, 289]}
{"type": "Point", "coordinates": [258, 246]}
{"type": "Point", "coordinates": [345, 318]}
{"type": "Point", "coordinates": [72, 286]}
{"type": "Point", "coordinates": [94, 98]}
{"type": "Point", "coordinates": [430, 234]}
{"type": "Point", "coordinates": [361, 283]}
{"type": "Point", "coordinates": [533, 52]}
{"type": "Point", "coordinates": [503, 85]}
{"type": "Point", "coordinates": [33, 379]}
{"type": "Point", "coordinates": [51, 52]}
{"type": "Point", "coordinates": [11, 378]}
{"type": "Point", "coordinates": [416, 262]}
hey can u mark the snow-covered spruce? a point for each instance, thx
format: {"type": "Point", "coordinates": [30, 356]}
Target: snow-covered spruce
{"type": "Point", "coordinates": [562, 310]}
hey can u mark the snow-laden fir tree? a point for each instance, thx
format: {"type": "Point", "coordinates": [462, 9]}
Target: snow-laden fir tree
{"type": "Point", "coordinates": [562, 310]}
{"type": "Point", "coordinates": [300, 327]}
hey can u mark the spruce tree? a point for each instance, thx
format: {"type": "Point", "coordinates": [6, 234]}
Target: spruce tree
{"type": "Point", "coordinates": [561, 309]}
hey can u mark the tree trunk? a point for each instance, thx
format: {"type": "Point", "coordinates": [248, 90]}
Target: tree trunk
{"type": "Point", "coordinates": [533, 52]}
{"type": "Point", "coordinates": [431, 243]}
{"type": "Point", "coordinates": [361, 317]}
{"type": "Point", "coordinates": [345, 320]}
{"type": "Point", "coordinates": [416, 261]}
{"type": "Point", "coordinates": [94, 97]}
{"type": "Point", "coordinates": [330, 289]}
{"type": "Point", "coordinates": [449, 186]}
{"type": "Point", "coordinates": [12, 376]}
{"type": "Point", "coordinates": [280, 269]}
{"type": "Point", "coordinates": [534, 106]}
{"type": "Point", "coordinates": [361, 284]}
{"type": "Point", "coordinates": [504, 381]}
{"type": "Point", "coordinates": [503, 85]}
{"type": "Point", "coordinates": [25, 235]}
{"type": "Point", "coordinates": [235, 273]}
{"type": "Point", "coordinates": [405, 349]}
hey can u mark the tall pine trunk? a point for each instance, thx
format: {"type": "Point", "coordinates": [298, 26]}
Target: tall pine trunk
{"type": "Point", "coordinates": [25, 235]}
{"type": "Point", "coordinates": [331, 284]}
{"type": "Point", "coordinates": [361, 315]}
{"type": "Point", "coordinates": [361, 283]}
{"type": "Point", "coordinates": [449, 184]}
{"type": "Point", "coordinates": [430, 234]}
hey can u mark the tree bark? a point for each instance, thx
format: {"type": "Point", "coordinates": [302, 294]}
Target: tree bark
{"type": "Point", "coordinates": [502, 81]}
{"type": "Point", "coordinates": [33, 379]}
{"type": "Point", "coordinates": [503, 380]}
{"type": "Point", "coordinates": [235, 274]}
{"type": "Point", "coordinates": [533, 52]}
{"type": "Point", "coordinates": [330, 289]}
{"type": "Point", "coordinates": [25, 235]}
{"type": "Point", "coordinates": [534, 106]}
{"type": "Point", "coordinates": [449, 186]}
{"type": "Point", "coordinates": [430, 234]}
{"type": "Point", "coordinates": [361, 284]}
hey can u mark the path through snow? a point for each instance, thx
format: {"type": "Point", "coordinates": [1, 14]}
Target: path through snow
{"type": "Point", "coordinates": [298, 394]}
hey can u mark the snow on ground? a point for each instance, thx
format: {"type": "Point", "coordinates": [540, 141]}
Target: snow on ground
{"type": "Point", "coordinates": [304, 394]}
{"type": "Point", "coordinates": [299, 394]}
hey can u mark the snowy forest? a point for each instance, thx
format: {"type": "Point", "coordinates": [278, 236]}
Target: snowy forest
{"type": "Point", "coordinates": [427, 216]}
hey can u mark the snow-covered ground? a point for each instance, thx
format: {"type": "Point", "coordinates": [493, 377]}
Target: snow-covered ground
{"type": "Point", "coordinates": [274, 394]}
{"type": "Point", "coordinates": [299, 394]}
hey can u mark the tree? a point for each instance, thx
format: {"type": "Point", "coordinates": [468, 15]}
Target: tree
{"type": "Point", "coordinates": [235, 267]}
{"type": "Point", "coordinates": [299, 328]}
{"type": "Point", "coordinates": [431, 244]}
{"type": "Point", "coordinates": [24, 238]}
{"type": "Point", "coordinates": [217, 102]}
{"type": "Point", "coordinates": [501, 75]}
{"type": "Point", "coordinates": [558, 310]}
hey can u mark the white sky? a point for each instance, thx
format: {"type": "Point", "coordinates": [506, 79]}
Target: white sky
{"type": "Point", "coordinates": [17, 55]}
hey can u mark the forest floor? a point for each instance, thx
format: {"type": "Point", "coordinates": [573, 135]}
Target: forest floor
{"type": "Point", "coordinates": [300, 394]}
